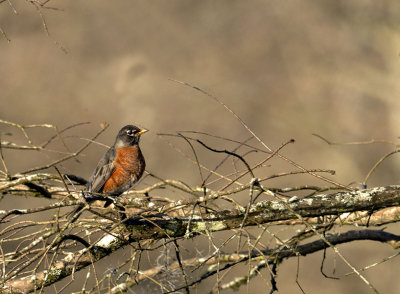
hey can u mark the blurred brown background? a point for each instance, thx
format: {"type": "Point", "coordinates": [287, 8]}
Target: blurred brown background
{"type": "Point", "coordinates": [287, 68]}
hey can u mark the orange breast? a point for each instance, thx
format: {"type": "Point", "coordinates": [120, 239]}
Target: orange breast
{"type": "Point", "coordinates": [129, 167]}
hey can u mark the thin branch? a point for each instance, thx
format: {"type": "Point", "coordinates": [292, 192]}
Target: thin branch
{"type": "Point", "coordinates": [44, 145]}
{"type": "Point", "coordinates": [2, 159]}
{"type": "Point", "coordinates": [227, 108]}
{"type": "Point", "coordinates": [230, 153]}
{"type": "Point", "coordinates": [3, 33]}
{"type": "Point", "coordinates": [178, 258]}
{"type": "Point", "coordinates": [195, 155]}
{"type": "Point", "coordinates": [372, 141]}
{"type": "Point", "coordinates": [255, 136]}
{"type": "Point", "coordinates": [377, 164]}
{"type": "Point", "coordinates": [75, 154]}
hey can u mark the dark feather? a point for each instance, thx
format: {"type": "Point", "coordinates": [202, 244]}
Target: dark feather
{"type": "Point", "coordinates": [103, 171]}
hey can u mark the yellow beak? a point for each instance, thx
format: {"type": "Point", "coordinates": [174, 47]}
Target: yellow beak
{"type": "Point", "coordinates": [142, 131]}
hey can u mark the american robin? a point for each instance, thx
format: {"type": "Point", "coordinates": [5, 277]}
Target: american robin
{"type": "Point", "coordinates": [119, 169]}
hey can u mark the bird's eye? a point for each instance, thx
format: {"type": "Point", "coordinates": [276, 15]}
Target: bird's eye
{"type": "Point", "coordinates": [129, 132]}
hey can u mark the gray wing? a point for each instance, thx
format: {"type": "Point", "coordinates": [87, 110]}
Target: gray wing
{"type": "Point", "coordinates": [103, 171]}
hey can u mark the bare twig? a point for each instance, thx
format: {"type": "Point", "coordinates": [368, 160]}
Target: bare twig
{"type": "Point", "coordinates": [372, 141]}
{"type": "Point", "coordinates": [377, 164]}
{"type": "Point", "coordinates": [75, 154]}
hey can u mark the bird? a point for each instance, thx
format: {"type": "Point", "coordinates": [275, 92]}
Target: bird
{"type": "Point", "coordinates": [119, 169]}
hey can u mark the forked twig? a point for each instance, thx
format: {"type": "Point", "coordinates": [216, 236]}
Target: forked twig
{"type": "Point", "coordinates": [255, 136]}
{"type": "Point", "coordinates": [73, 155]}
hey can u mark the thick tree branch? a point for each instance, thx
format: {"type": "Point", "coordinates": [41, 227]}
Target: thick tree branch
{"type": "Point", "coordinates": [163, 226]}
{"type": "Point", "coordinates": [110, 243]}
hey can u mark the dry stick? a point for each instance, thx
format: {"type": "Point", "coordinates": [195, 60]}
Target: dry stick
{"type": "Point", "coordinates": [253, 183]}
{"type": "Point", "coordinates": [14, 271]}
{"type": "Point", "coordinates": [195, 156]}
{"type": "Point", "coordinates": [230, 153]}
{"type": "Point", "coordinates": [24, 238]}
{"type": "Point", "coordinates": [89, 140]}
{"type": "Point", "coordinates": [253, 271]}
{"type": "Point", "coordinates": [212, 172]}
{"type": "Point", "coordinates": [364, 143]}
{"type": "Point", "coordinates": [216, 252]}
{"type": "Point", "coordinates": [63, 181]}
{"type": "Point", "coordinates": [35, 210]}
{"type": "Point", "coordinates": [255, 136]}
{"type": "Point", "coordinates": [25, 251]}
{"type": "Point", "coordinates": [12, 6]}
{"type": "Point", "coordinates": [377, 164]}
{"type": "Point", "coordinates": [68, 193]}
{"type": "Point", "coordinates": [43, 3]}
{"type": "Point", "coordinates": [74, 238]}
{"type": "Point", "coordinates": [178, 258]}
{"type": "Point", "coordinates": [54, 241]}
{"type": "Point", "coordinates": [321, 269]}
{"type": "Point", "coordinates": [44, 145]}
{"type": "Point", "coordinates": [297, 276]}
{"type": "Point", "coordinates": [226, 157]}
{"type": "Point", "coordinates": [22, 128]}
{"type": "Point", "coordinates": [6, 173]}
{"type": "Point", "coordinates": [355, 143]}
{"type": "Point", "coordinates": [86, 281]}
{"type": "Point", "coordinates": [66, 157]}
{"type": "Point", "coordinates": [375, 264]}
{"type": "Point", "coordinates": [59, 236]}
{"type": "Point", "coordinates": [95, 273]}
{"type": "Point", "coordinates": [63, 142]}
{"type": "Point", "coordinates": [260, 163]}
{"type": "Point", "coordinates": [44, 24]}
{"type": "Point", "coordinates": [285, 245]}
{"type": "Point", "coordinates": [289, 174]}
{"type": "Point", "coordinates": [237, 282]}
{"type": "Point", "coordinates": [11, 145]}
{"type": "Point", "coordinates": [133, 255]}
{"type": "Point", "coordinates": [3, 270]}
{"type": "Point", "coordinates": [27, 179]}
{"type": "Point", "coordinates": [202, 166]}
{"type": "Point", "coordinates": [64, 287]}
{"type": "Point", "coordinates": [173, 183]}
{"type": "Point", "coordinates": [227, 108]}
{"type": "Point", "coordinates": [217, 249]}
{"type": "Point", "coordinates": [222, 138]}
{"type": "Point", "coordinates": [187, 234]}
{"type": "Point", "coordinates": [4, 35]}
{"type": "Point", "coordinates": [50, 264]}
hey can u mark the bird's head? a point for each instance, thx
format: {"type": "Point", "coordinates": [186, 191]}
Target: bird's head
{"type": "Point", "coordinates": [129, 136]}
